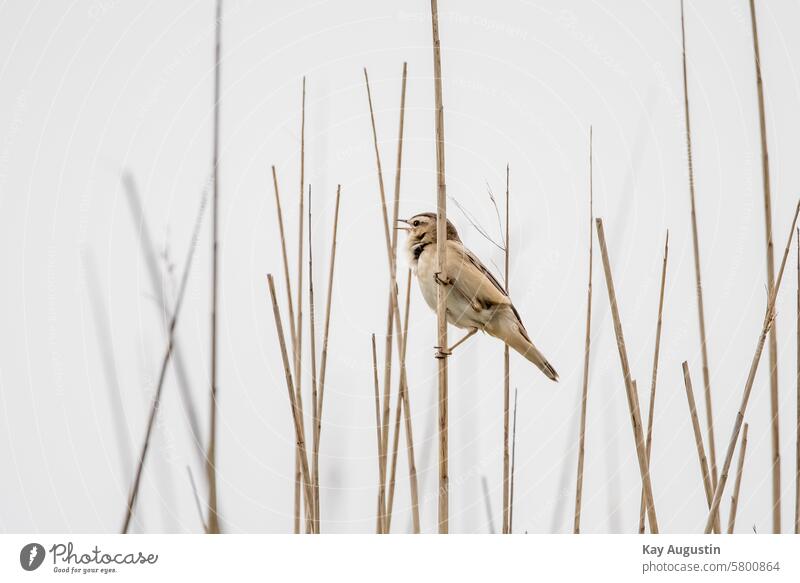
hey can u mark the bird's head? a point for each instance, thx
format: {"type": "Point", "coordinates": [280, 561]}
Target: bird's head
{"type": "Point", "coordinates": [421, 229]}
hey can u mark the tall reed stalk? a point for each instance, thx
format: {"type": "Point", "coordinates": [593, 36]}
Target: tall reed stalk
{"type": "Point", "coordinates": [400, 337]}
{"type": "Point", "coordinates": [576, 527]}
{"type": "Point", "coordinates": [654, 378]}
{"type": "Point", "coordinates": [797, 425]}
{"type": "Point", "coordinates": [769, 318]}
{"type": "Point", "coordinates": [441, 291]}
{"type": "Point", "coordinates": [773, 335]}
{"type": "Point", "coordinates": [698, 438]}
{"type": "Point", "coordinates": [211, 458]}
{"type": "Point", "coordinates": [633, 397]}
{"type": "Point", "coordinates": [701, 318]}
{"type": "Point", "coordinates": [134, 492]}
{"type": "Point", "coordinates": [506, 385]}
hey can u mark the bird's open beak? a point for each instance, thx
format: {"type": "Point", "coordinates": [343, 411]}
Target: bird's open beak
{"type": "Point", "coordinates": [401, 227]}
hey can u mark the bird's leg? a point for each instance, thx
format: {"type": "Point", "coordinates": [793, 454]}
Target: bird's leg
{"type": "Point", "coordinates": [441, 281]}
{"type": "Point", "coordinates": [443, 353]}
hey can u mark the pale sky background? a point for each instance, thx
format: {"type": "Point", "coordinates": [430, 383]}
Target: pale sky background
{"type": "Point", "coordinates": [89, 90]}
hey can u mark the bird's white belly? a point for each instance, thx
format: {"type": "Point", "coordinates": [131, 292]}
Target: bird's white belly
{"type": "Point", "coordinates": [460, 312]}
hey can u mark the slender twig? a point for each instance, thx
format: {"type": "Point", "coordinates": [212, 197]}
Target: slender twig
{"type": "Point", "coordinates": [506, 383]}
{"type": "Point", "coordinates": [651, 408]}
{"type": "Point", "coordinates": [513, 464]}
{"type": "Point", "coordinates": [157, 284]}
{"type": "Point", "coordinates": [211, 457]}
{"type": "Point", "coordinates": [298, 353]}
{"type": "Point", "coordinates": [633, 398]}
{"type": "Point", "coordinates": [738, 483]}
{"type": "Point", "coordinates": [441, 292]}
{"type": "Point", "coordinates": [197, 503]}
{"type": "Point", "coordinates": [296, 418]}
{"type": "Point", "coordinates": [313, 335]}
{"type": "Point", "coordinates": [288, 280]}
{"type": "Point", "coordinates": [769, 318]}
{"type": "Point", "coordinates": [712, 448]}
{"type": "Point", "coordinates": [380, 515]}
{"type": "Point", "coordinates": [398, 409]}
{"type": "Point", "coordinates": [400, 339]}
{"type": "Point", "coordinates": [326, 329]}
{"type": "Point", "coordinates": [586, 349]}
{"type": "Point", "coordinates": [773, 335]}
{"type": "Point", "coordinates": [134, 492]}
{"type": "Point", "coordinates": [698, 437]}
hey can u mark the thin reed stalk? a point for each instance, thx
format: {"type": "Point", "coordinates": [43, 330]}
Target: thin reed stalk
{"type": "Point", "coordinates": [797, 425]}
{"type": "Point", "coordinates": [380, 515]}
{"type": "Point", "coordinates": [441, 292]}
{"type": "Point", "coordinates": [633, 397]}
{"type": "Point", "coordinates": [506, 386]}
{"type": "Point", "coordinates": [738, 483]}
{"type": "Point", "coordinates": [314, 380]}
{"type": "Point", "coordinates": [698, 438]}
{"type": "Point", "coordinates": [398, 409]}
{"type": "Point", "coordinates": [287, 278]}
{"type": "Point", "coordinates": [513, 465]}
{"type": "Point", "coordinates": [701, 318]}
{"type": "Point", "coordinates": [656, 350]}
{"type": "Point", "coordinates": [296, 418]}
{"type": "Point", "coordinates": [396, 311]}
{"type": "Point", "coordinates": [319, 384]}
{"type": "Point", "coordinates": [211, 457]}
{"type": "Point", "coordinates": [298, 349]}
{"type": "Point", "coordinates": [134, 492]}
{"type": "Point", "coordinates": [157, 283]}
{"type": "Point", "coordinates": [769, 318]}
{"type": "Point", "coordinates": [576, 527]}
{"type": "Point", "coordinates": [773, 334]}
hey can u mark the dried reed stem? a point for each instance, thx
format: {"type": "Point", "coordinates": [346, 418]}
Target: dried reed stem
{"type": "Point", "coordinates": [586, 349]}
{"type": "Point", "coordinates": [314, 380]}
{"type": "Point", "coordinates": [441, 292]}
{"type": "Point", "coordinates": [513, 464]}
{"type": "Point", "coordinates": [698, 438]}
{"type": "Point", "coordinates": [287, 278]}
{"type": "Point", "coordinates": [738, 483]}
{"type": "Point", "coordinates": [298, 352]}
{"type": "Point", "coordinates": [769, 317]}
{"type": "Point", "coordinates": [506, 388]}
{"type": "Point", "coordinates": [773, 335]}
{"type": "Point", "coordinates": [158, 285]}
{"type": "Point", "coordinates": [164, 363]}
{"type": "Point", "coordinates": [633, 398]}
{"type": "Point", "coordinates": [211, 457]}
{"type": "Point", "coordinates": [296, 418]}
{"type": "Point", "coordinates": [380, 515]}
{"type": "Point", "coordinates": [797, 426]}
{"type": "Point", "coordinates": [651, 408]}
{"type": "Point", "coordinates": [712, 448]}
{"type": "Point", "coordinates": [396, 312]}
{"type": "Point", "coordinates": [319, 383]}
{"type": "Point", "coordinates": [398, 410]}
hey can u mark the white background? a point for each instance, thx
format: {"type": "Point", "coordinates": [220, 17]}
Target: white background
{"type": "Point", "coordinates": [89, 90]}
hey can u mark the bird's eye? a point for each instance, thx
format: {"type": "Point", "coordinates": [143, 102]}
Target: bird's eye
{"type": "Point", "coordinates": [415, 223]}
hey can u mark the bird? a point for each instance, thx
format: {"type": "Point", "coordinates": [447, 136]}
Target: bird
{"type": "Point", "coordinates": [475, 299]}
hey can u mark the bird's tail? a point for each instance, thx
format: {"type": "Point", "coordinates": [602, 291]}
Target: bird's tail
{"type": "Point", "coordinates": [507, 328]}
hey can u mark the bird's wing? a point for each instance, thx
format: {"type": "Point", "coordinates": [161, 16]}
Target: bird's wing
{"type": "Point", "coordinates": [471, 278]}
{"type": "Point", "coordinates": [476, 282]}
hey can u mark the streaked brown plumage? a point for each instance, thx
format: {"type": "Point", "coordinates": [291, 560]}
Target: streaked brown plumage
{"type": "Point", "coordinates": [475, 299]}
